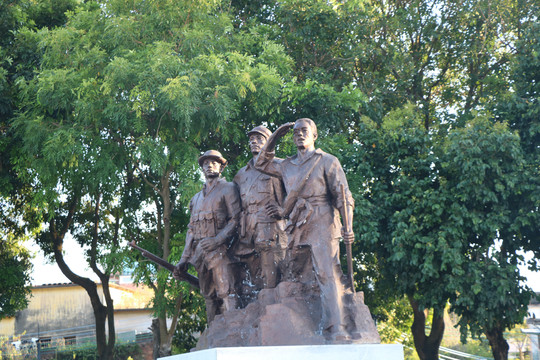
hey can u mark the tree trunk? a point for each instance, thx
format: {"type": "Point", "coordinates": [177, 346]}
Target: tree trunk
{"type": "Point", "coordinates": [105, 349]}
{"type": "Point", "coordinates": [163, 335]}
{"type": "Point", "coordinates": [100, 315]}
{"type": "Point", "coordinates": [499, 346]}
{"type": "Point", "coordinates": [165, 340]}
{"type": "Point", "coordinates": [162, 342]}
{"type": "Point", "coordinates": [156, 338]}
{"type": "Point", "coordinates": [427, 347]}
{"type": "Point", "coordinates": [109, 313]}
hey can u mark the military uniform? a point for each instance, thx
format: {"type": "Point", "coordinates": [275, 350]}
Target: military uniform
{"type": "Point", "coordinates": [314, 221]}
{"type": "Point", "coordinates": [260, 235]}
{"type": "Point", "coordinates": [214, 213]}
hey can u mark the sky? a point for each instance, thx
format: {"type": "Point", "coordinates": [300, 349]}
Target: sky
{"type": "Point", "coordinates": [46, 273]}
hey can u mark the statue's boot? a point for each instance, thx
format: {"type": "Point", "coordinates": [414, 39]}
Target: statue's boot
{"type": "Point", "coordinates": [338, 333]}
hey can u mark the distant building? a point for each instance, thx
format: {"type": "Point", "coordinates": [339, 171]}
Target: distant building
{"type": "Point", "coordinates": [63, 312]}
{"type": "Point", "coordinates": [533, 328]}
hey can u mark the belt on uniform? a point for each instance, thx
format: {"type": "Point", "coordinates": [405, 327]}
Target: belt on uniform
{"type": "Point", "coordinates": [251, 209]}
{"type": "Point", "coordinates": [318, 200]}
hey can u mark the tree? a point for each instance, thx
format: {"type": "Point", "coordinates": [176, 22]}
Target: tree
{"type": "Point", "coordinates": [127, 97]}
{"type": "Point", "coordinates": [440, 206]}
{"type": "Point", "coordinates": [425, 69]}
{"type": "Point", "coordinates": [488, 174]}
{"type": "Point", "coordinates": [14, 278]}
{"type": "Point", "coordinates": [518, 107]}
{"type": "Point", "coordinates": [18, 58]}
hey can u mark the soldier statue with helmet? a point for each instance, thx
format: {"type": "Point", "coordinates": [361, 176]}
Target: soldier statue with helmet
{"type": "Point", "coordinates": [262, 241]}
{"type": "Point", "coordinates": [215, 211]}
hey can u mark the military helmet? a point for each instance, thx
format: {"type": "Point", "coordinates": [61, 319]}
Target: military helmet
{"type": "Point", "coordinates": [260, 130]}
{"type": "Point", "coordinates": [213, 154]}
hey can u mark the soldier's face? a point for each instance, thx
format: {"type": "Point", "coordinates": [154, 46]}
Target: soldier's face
{"type": "Point", "coordinates": [256, 142]}
{"type": "Point", "coordinates": [211, 168]}
{"type": "Point", "coordinates": [303, 135]}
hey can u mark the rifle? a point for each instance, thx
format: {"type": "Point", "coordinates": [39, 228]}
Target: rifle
{"type": "Point", "coordinates": [347, 246]}
{"type": "Point", "coordinates": [184, 276]}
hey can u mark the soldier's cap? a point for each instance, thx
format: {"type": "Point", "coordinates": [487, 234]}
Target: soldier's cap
{"type": "Point", "coordinates": [261, 130]}
{"type": "Point", "coordinates": [212, 154]}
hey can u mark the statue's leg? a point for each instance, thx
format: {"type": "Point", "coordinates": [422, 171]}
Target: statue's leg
{"type": "Point", "coordinates": [208, 291]}
{"type": "Point", "coordinates": [268, 244]}
{"type": "Point", "coordinates": [269, 269]}
{"type": "Point", "coordinates": [328, 274]}
{"type": "Point", "coordinates": [224, 282]}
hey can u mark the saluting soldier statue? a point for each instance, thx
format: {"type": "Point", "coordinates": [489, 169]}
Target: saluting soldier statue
{"type": "Point", "coordinates": [317, 194]}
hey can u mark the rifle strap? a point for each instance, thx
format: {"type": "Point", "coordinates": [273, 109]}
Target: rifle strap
{"type": "Point", "coordinates": [293, 195]}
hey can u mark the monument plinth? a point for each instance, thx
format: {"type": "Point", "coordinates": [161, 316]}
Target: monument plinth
{"type": "Point", "coordinates": [302, 352]}
{"type": "Point", "coordinates": [289, 314]}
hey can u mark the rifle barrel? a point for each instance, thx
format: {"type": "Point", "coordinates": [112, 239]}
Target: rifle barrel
{"type": "Point", "coordinates": [192, 280]}
{"type": "Point", "coordinates": [348, 247]}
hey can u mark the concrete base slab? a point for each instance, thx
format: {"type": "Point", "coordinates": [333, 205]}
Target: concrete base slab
{"type": "Point", "coordinates": [303, 352]}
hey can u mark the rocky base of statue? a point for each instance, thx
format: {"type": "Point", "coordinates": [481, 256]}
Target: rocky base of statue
{"type": "Point", "coordinates": [289, 314]}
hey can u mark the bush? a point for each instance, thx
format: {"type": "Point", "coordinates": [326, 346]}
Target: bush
{"type": "Point", "coordinates": [122, 352]}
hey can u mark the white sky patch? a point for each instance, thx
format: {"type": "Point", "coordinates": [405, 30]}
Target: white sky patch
{"type": "Point", "coordinates": [533, 277]}
{"type": "Point", "coordinates": [49, 273]}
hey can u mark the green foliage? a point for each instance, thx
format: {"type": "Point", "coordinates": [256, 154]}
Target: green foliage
{"type": "Point", "coordinates": [440, 206]}
{"type": "Point", "coordinates": [394, 322]}
{"type": "Point", "coordinates": [14, 277]}
{"type": "Point", "coordinates": [488, 164]}
{"type": "Point", "coordinates": [520, 108]}
{"type": "Point", "coordinates": [475, 347]}
{"type": "Point", "coordinates": [430, 106]}
{"type": "Point", "coordinates": [121, 352]}
{"type": "Point", "coordinates": [193, 315]}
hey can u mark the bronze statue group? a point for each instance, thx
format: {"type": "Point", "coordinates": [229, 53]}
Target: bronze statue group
{"type": "Point", "coordinates": [279, 220]}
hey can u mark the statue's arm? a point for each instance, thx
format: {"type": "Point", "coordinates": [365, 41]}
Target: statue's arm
{"type": "Point", "coordinates": [279, 190]}
{"type": "Point", "coordinates": [186, 254]}
{"type": "Point", "coordinates": [264, 161]}
{"type": "Point", "coordinates": [343, 200]}
{"type": "Point", "coordinates": [232, 203]}
{"type": "Point", "coordinates": [188, 250]}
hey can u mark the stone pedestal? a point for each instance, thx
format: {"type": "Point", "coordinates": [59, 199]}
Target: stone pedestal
{"type": "Point", "coordinates": [302, 352]}
{"type": "Point", "coordinates": [289, 314]}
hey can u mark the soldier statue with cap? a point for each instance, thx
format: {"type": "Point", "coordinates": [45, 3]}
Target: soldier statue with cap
{"type": "Point", "coordinates": [261, 244]}
{"type": "Point", "coordinates": [215, 212]}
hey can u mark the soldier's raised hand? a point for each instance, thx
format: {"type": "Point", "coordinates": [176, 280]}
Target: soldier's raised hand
{"type": "Point", "coordinates": [283, 129]}
{"type": "Point", "coordinates": [278, 134]}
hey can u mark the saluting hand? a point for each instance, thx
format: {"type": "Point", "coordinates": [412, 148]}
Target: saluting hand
{"type": "Point", "coordinates": [283, 129]}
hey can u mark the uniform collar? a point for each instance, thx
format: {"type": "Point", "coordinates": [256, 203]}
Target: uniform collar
{"type": "Point", "coordinates": [251, 163]}
{"type": "Point", "coordinates": [296, 160]}
{"type": "Point", "coordinates": [207, 189]}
